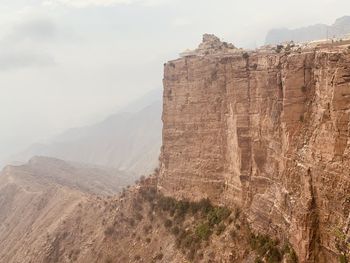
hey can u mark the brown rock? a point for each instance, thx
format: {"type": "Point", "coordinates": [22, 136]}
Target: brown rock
{"type": "Point", "coordinates": [267, 131]}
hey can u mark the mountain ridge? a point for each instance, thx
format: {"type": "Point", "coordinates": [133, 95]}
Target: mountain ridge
{"type": "Point", "coordinates": [128, 141]}
{"type": "Point", "coordinates": [36, 198]}
{"type": "Point", "coordinates": [339, 29]}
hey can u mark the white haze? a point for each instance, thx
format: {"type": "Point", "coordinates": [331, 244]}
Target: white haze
{"type": "Point", "coordinates": [66, 63]}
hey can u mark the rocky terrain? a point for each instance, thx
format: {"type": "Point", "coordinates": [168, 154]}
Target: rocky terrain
{"type": "Point", "coordinates": [339, 29]}
{"type": "Point", "coordinates": [268, 131]}
{"type": "Point", "coordinates": [36, 198]}
{"type": "Point", "coordinates": [141, 225]}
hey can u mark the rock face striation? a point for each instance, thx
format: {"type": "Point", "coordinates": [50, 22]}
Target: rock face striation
{"type": "Point", "coordinates": [265, 130]}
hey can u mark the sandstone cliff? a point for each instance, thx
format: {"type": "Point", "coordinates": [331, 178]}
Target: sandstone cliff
{"type": "Point", "coordinates": [266, 130]}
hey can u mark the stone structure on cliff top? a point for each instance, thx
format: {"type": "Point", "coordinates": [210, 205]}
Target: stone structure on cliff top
{"type": "Point", "coordinates": [211, 45]}
{"type": "Point", "coordinates": [267, 131]}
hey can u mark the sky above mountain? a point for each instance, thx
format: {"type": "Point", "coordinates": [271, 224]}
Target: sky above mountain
{"type": "Point", "coordinates": [66, 63]}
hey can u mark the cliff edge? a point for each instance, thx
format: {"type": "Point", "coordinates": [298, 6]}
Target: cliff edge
{"type": "Point", "coordinates": [267, 130]}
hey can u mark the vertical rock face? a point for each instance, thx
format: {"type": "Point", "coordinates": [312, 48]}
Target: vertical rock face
{"type": "Point", "coordinates": [266, 131]}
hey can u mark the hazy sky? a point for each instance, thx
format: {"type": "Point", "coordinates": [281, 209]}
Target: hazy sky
{"type": "Point", "coordinates": [66, 63]}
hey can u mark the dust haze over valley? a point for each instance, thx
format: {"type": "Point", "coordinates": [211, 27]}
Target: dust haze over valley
{"type": "Point", "coordinates": [130, 133]}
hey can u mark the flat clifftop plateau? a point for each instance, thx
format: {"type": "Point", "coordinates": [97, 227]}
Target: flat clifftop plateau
{"type": "Point", "coordinates": [267, 130]}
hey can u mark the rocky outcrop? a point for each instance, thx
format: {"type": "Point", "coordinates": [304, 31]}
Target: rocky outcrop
{"type": "Point", "coordinates": [211, 45]}
{"type": "Point", "coordinates": [265, 130]}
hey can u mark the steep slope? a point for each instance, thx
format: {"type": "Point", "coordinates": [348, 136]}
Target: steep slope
{"type": "Point", "coordinates": [36, 198]}
{"type": "Point", "coordinates": [339, 29]}
{"type": "Point", "coordinates": [125, 141]}
{"type": "Point", "coordinates": [144, 226]}
{"type": "Point", "coordinates": [267, 131]}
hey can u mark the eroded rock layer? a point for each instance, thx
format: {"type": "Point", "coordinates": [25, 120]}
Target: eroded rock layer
{"type": "Point", "coordinates": [268, 131]}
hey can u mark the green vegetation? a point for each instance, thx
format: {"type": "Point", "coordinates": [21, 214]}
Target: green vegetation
{"type": "Point", "coordinates": [290, 254]}
{"type": "Point", "coordinates": [203, 231]}
{"type": "Point", "coordinates": [233, 234]}
{"type": "Point", "coordinates": [208, 218]}
{"type": "Point", "coordinates": [221, 228]}
{"type": "Point", "coordinates": [279, 48]}
{"type": "Point", "coordinates": [288, 48]}
{"type": "Point", "coordinates": [268, 249]}
{"type": "Point", "coordinates": [149, 194]}
{"type": "Point", "coordinates": [109, 231]}
{"type": "Point", "coordinates": [159, 256]}
{"type": "Point", "coordinates": [342, 245]}
{"type": "Point", "coordinates": [343, 259]}
{"type": "Point", "coordinates": [217, 215]}
{"type": "Point", "coordinates": [191, 223]}
{"type": "Point", "coordinates": [301, 118]}
{"type": "Point", "coordinates": [265, 246]}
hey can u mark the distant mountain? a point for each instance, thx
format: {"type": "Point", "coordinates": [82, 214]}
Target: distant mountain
{"type": "Point", "coordinates": [339, 29]}
{"type": "Point", "coordinates": [144, 101]}
{"type": "Point", "coordinates": [129, 140]}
